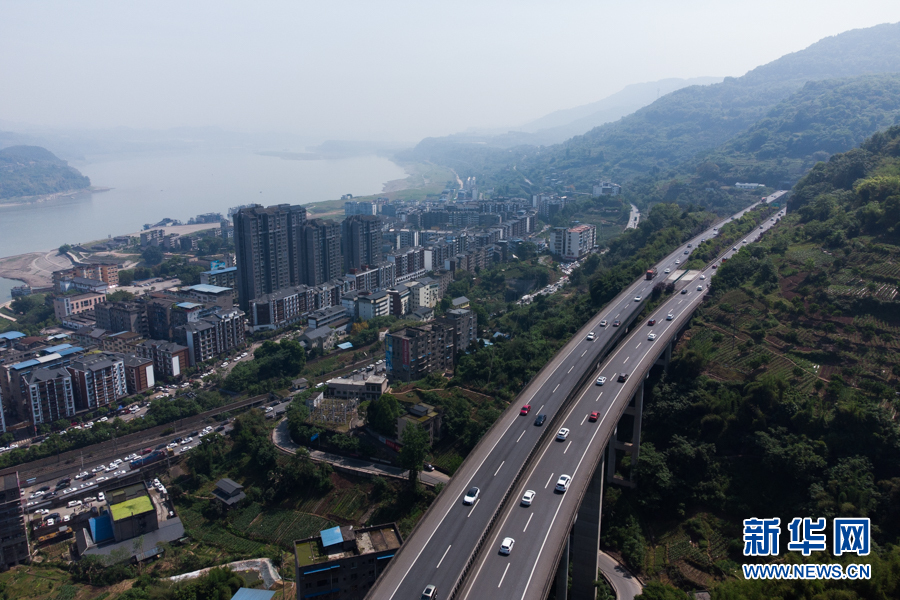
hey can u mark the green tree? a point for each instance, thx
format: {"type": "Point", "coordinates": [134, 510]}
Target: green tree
{"type": "Point", "coordinates": [382, 414]}
{"type": "Point", "coordinates": [152, 255]}
{"type": "Point", "coordinates": [415, 448]}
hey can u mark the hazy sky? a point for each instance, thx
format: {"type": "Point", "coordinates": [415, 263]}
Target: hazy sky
{"type": "Point", "coordinates": [378, 69]}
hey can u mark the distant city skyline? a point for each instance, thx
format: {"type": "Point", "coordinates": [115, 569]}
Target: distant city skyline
{"type": "Point", "coordinates": [392, 71]}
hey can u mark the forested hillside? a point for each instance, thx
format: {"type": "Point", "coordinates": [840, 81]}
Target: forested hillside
{"type": "Point", "coordinates": [33, 171]}
{"type": "Point", "coordinates": [655, 140]}
{"type": "Point", "coordinates": [781, 401]}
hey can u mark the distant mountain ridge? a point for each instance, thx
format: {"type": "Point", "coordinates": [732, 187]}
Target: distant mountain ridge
{"type": "Point", "coordinates": [563, 124]}
{"type": "Point", "coordinates": [678, 126]}
{"type": "Point", "coordinates": [35, 171]}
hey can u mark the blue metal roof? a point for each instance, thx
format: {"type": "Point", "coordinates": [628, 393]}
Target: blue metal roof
{"type": "Point", "coordinates": [345, 346]}
{"type": "Point", "coordinates": [101, 528]}
{"type": "Point", "coordinates": [53, 349]}
{"type": "Point", "coordinates": [331, 536]}
{"type": "Point", "coordinates": [188, 305]}
{"type": "Point", "coordinates": [72, 350]}
{"type": "Point", "coordinates": [248, 594]}
{"type": "Point", "coordinates": [23, 365]}
{"type": "Point", "coordinates": [11, 335]}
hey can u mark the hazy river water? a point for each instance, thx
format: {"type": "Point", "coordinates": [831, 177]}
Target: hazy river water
{"type": "Point", "coordinates": [149, 188]}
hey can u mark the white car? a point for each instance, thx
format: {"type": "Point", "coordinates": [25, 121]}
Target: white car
{"type": "Point", "coordinates": [651, 336]}
{"type": "Point", "coordinates": [590, 336]}
{"type": "Point", "coordinates": [669, 317]}
{"type": "Point", "coordinates": [103, 419]}
{"type": "Point", "coordinates": [667, 271]}
{"type": "Point", "coordinates": [703, 277]}
{"type": "Point", "coordinates": [471, 496]}
{"type": "Point", "coordinates": [101, 497]}
{"type": "Point", "coordinates": [187, 441]}
{"type": "Point", "coordinates": [603, 323]}
{"type": "Point", "coordinates": [637, 298]}
{"type": "Point", "coordinates": [506, 545]}
{"type": "Point", "coordinates": [562, 434]}
{"type": "Point", "coordinates": [562, 484]}
{"type": "Point", "coordinates": [66, 518]}
{"type": "Point", "coordinates": [699, 288]}
{"type": "Point", "coordinates": [601, 380]}
{"type": "Point", "coordinates": [74, 503]}
{"type": "Point", "coordinates": [528, 498]}
{"type": "Point", "coordinates": [677, 262]}
{"type": "Point", "coordinates": [99, 479]}
{"type": "Point", "coordinates": [82, 475]}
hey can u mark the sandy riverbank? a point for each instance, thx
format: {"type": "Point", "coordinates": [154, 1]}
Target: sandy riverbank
{"type": "Point", "coordinates": [35, 268]}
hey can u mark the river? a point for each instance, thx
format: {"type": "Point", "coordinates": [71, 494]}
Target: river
{"type": "Point", "coordinates": [147, 189]}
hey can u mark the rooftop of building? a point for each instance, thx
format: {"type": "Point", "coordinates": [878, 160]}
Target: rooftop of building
{"type": "Point", "coordinates": [206, 288]}
{"type": "Point", "coordinates": [131, 360]}
{"type": "Point", "coordinates": [129, 508]}
{"type": "Point", "coordinates": [343, 542]}
{"type": "Point", "coordinates": [462, 300]}
{"type": "Point", "coordinates": [10, 482]}
{"type": "Point", "coordinates": [312, 334]}
{"type": "Point", "coordinates": [11, 335]}
{"type": "Point", "coordinates": [220, 271]}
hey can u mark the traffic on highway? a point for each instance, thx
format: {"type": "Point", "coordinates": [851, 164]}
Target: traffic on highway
{"type": "Point", "coordinates": [441, 548]}
{"type": "Point", "coordinates": [556, 481]}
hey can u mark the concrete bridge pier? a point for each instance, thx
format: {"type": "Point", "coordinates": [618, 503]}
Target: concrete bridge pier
{"type": "Point", "coordinates": [666, 357]}
{"type": "Point", "coordinates": [562, 573]}
{"type": "Point", "coordinates": [636, 409]}
{"type": "Point", "coordinates": [586, 539]}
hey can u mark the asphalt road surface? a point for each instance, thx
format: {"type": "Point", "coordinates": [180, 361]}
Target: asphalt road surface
{"type": "Point", "coordinates": [441, 544]}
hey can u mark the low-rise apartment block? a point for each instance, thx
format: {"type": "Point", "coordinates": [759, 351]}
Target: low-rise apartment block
{"type": "Point", "coordinates": [65, 306]}
{"type": "Point", "coordinates": [342, 563]}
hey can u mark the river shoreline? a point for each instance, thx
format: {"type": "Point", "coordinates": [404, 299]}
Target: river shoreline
{"type": "Point", "coordinates": [23, 200]}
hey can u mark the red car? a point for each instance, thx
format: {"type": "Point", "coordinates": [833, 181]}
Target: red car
{"type": "Point", "coordinates": [651, 322]}
{"type": "Point", "coordinates": [525, 409]}
{"type": "Point", "coordinates": [594, 416]}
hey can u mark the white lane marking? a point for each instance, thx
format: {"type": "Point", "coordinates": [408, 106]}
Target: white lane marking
{"type": "Point", "coordinates": [628, 290]}
{"type": "Point", "coordinates": [473, 508]}
{"type": "Point", "coordinates": [617, 316]}
{"type": "Point", "coordinates": [598, 397]}
{"type": "Point", "coordinates": [556, 514]}
{"type": "Point", "coordinates": [626, 359]}
{"type": "Point", "coordinates": [582, 421]}
{"type": "Point", "coordinates": [504, 575]}
{"type": "Point", "coordinates": [548, 481]}
{"type": "Point", "coordinates": [583, 353]}
{"type": "Point", "coordinates": [502, 462]}
{"type": "Point", "coordinates": [520, 436]}
{"type": "Point", "coordinates": [452, 505]}
{"type": "Point", "coordinates": [569, 445]}
{"type": "Point", "coordinates": [638, 346]}
{"type": "Point", "coordinates": [556, 388]}
{"type": "Point", "coordinates": [528, 523]}
{"type": "Point", "coordinates": [572, 367]}
{"type": "Point", "coordinates": [539, 410]}
{"type": "Point", "coordinates": [444, 556]}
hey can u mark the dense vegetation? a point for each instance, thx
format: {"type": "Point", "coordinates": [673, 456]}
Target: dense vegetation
{"type": "Point", "coordinates": [782, 117]}
{"type": "Point", "coordinates": [782, 403]}
{"type": "Point", "coordinates": [32, 171]}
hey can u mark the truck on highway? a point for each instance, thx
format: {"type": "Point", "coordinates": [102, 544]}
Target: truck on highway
{"type": "Point", "coordinates": [651, 273]}
{"type": "Point", "coordinates": [151, 458]}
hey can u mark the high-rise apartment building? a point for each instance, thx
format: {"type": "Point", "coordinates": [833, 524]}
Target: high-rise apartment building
{"type": "Point", "coordinates": [98, 380]}
{"type": "Point", "coordinates": [51, 395]}
{"type": "Point", "coordinates": [13, 542]}
{"type": "Point", "coordinates": [322, 252]}
{"type": "Point", "coordinates": [269, 248]}
{"type": "Point", "coordinates": [361, 241]}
